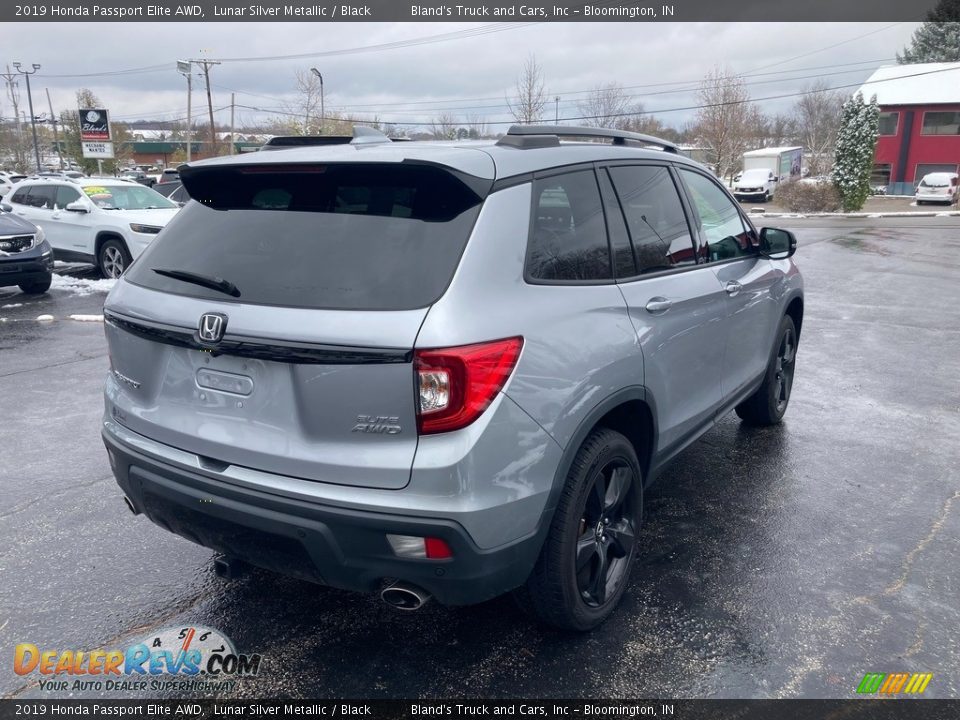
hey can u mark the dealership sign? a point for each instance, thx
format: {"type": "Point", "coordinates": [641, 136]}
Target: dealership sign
{"type": "Point", "coordinates": [101, 150]}
{"type": "Point", "coordinates": [94, 124]}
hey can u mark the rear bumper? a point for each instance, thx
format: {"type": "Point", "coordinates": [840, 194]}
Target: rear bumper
{"type": "Point", "coordinates": [340, 547]}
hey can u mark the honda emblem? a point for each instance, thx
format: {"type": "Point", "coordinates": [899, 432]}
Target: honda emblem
{"type": "Point", "coordinates": [212, 327]}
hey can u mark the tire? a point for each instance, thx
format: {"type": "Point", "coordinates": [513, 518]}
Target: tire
{"type": "Point", "coordinates": [597, 521]}
{"type": "Point", "coordinates": [37, 287]}
{"type": "Point", "coordinates": [113, 258]}
{"type": "Point", "coordinates": [769, 403]}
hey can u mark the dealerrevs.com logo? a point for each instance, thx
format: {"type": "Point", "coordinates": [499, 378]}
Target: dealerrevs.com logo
{"type": "Point", "coordinates": [193, 658]}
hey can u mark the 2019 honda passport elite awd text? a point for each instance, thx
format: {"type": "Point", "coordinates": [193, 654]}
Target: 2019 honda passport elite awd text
{"type": "Point", "coordinates": [444, 370]}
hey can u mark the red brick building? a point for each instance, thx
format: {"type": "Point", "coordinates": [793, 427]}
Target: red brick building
{"type": "Point", "coordinates": [919, 123]}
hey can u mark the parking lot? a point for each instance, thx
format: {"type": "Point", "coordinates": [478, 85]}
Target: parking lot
{"type": "Point", "coordinates": [780, 562]}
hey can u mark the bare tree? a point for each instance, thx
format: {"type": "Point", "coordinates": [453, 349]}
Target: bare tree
{"type": "Point", "coordinates": [476, 126]}
{"type": "Point", "coordinates": [818, 120]}
{"type": "Point", "coordinates": [606, 106]}
{"type": "Point", "coordinates": [305, 110]}
{"type": "Point", "coordinates": [641, 121]}
{"type": "Point", "coordinates": [444, 127]}
{"type": "Point", "coordinates": [531, 97]}
{"type": "Point", "coordinates": [726, 121]}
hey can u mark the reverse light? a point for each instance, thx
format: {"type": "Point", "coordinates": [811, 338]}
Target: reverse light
{"type": "Point", "coordinates": [455, 385]}
{"type": "Point", "coordinates": [412, 546]}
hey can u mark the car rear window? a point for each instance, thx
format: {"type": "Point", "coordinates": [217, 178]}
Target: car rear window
{"type": "Point", "coordinates": [344, 237]}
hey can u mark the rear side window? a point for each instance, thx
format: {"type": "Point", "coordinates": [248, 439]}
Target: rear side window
{"type": "Point", "coordinates": [37, 196]}
{"type": "Point", "coordinates": [655, 217]}
{"type": "Point", "coordinates": [568, 239]}
{"type": "Point", "coordinates": [343, 237]}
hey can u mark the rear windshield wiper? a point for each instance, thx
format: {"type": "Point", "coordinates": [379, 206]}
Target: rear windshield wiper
{"type": "Point", "coordinates": [214, 283]}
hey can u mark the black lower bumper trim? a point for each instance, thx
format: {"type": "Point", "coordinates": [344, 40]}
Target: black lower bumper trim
{"type": "Point", "coordinates": [334, 546]}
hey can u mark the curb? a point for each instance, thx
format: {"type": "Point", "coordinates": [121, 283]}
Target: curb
{"type": "Point", "coordinates": [799, 216]}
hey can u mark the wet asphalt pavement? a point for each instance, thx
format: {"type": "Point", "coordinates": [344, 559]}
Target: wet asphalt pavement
{"type": "Point", "coordinates": [781, 562]}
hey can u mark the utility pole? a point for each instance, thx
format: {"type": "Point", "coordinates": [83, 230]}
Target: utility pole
{"type": "Point", "coordinates": [233, 144]}
{"type": "Point", "coordinates": [206, 74]}
{"type": "Point", "coordinates": [185, 68]}
{"type": "Point", "coordinates": [33, 120]}
{"type": "Point", "coordinates": [556, 110]}
{"type": "Point", "coordinates": [56, 137]}
{"type": "Point", "coordinates": [14, 94]}
{"type": "Point", "coordinates": [323, 114]}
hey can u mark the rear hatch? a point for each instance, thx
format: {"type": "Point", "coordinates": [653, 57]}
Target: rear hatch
{"type": "Point", "coordinates": [272, 324]}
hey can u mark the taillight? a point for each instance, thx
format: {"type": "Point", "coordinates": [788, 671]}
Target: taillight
{"type": "Point", "coordinates": [455, 385]}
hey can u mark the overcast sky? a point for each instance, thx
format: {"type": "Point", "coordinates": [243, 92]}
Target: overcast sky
{"type": "Point", "coordinates": [465, 74]}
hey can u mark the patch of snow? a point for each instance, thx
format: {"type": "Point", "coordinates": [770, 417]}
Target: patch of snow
{"type": "Point", "coordinates": [45, 318]}
{"type": "Point", "coordinates": [82, 286]}
{"type": "Point", "coordinates": [12, 305]}
{"type": "Point", "coordinates": [87, 318]}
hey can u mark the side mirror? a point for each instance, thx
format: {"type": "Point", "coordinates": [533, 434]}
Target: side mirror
{"type": "Point", "coordinates": [77, 206]}
{"type": "Point", "coordinates": [777, 244]}
{"type": "Point", "coordinates": [6, 208]}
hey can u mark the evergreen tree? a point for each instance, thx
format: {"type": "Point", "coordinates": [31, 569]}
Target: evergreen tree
{"type": "Point", "coordinates": [938, 39]}
{"type": "Point", "coordinates": [856, 142]}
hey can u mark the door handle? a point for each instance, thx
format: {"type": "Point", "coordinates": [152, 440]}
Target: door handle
{"type": "Point", "coordinates": [733, 287]}
{"type": "Point", "coordinates": [658, 305]}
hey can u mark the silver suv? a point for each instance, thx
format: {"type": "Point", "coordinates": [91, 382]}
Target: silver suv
{"type": "Point", "coordinates": [437, 369]}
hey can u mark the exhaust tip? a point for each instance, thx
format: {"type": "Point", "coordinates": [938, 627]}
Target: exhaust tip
{"type": "Point", "coordinates": [130, 506]}
{"type": "Point", "coordinates": [402, 596]}
{"type": "Point", "coordinates": [227, 568]}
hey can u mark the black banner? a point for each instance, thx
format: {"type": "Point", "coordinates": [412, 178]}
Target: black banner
{"type": "Point", "coordinates": [874, 709]}
{"type": "Point", "coordinates": [465, 11]}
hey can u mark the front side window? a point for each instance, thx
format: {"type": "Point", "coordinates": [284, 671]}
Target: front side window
{"type": "Point", "coordinates": [655, 218]}
{"type": "Point", "coordinates": [66, 195]}
{"type": "Point", "coordinates": [20, 196]}
{"type": "Point", "coordinates": [723, 233]}
{"type": "Point", "coordinates": [568, 240]}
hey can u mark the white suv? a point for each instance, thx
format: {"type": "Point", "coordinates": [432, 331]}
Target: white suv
{"type": "Point", "coordinates": [104, 221]}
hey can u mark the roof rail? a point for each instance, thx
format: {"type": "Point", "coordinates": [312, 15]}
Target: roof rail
{"type": "Point", "coordinates": [538, 136]}
{"type": "Point", "coordinates": [362, 135]}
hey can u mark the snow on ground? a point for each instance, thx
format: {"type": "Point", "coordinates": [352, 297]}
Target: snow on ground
{"type": "Point", "coordinates": [45, 318]}
{"type": "Point", "coordinates": [11, 305]}
{"type": "Point", "coordinates": [81, 286]}
{"type": "Point", "coordinates": [87, 318]}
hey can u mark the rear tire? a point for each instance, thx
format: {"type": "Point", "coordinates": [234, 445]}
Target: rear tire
{"type": "Point", "coordinates": [769, 403]}
{"type": "Point", "coordinates": [36, 287]}
{"type": "Point", "coordinates": [584, 565]}
{"type": "Point", "coordinates": [113, 258]}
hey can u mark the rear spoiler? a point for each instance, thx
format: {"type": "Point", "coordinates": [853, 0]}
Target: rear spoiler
{"type": "Point", "coordinates": [362, 135]}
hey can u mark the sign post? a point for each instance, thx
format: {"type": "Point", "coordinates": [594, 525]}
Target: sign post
{"type": "Point", "coordinates": [95, 135]}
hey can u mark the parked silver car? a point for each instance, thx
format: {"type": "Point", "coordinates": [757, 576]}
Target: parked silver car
{"type": "Point", "coordinates": [432, 369]}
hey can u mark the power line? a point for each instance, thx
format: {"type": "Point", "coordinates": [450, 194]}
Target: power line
{"type": "Point", "coordinates": [662, 111]}
{"type": "Point", "coordinates": [406, 106]}
{"type": "Point", "coordinates": [398, 44]}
